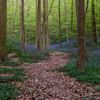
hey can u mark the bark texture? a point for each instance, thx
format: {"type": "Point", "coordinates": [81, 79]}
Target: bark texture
{"type": "Point", "coordinates": [48, 34]}
{"type": "Point", "coordinates": [81, 29]}
{"type": "Point", "coordinates": [22, 29]}
{"type": "Point", "coordinates": [39, 26]}
{"type": "Point", "coordinates": [44, 25]}
{"type": "Point", "coordinates": [59, 26]}
{"type": "Point", "coordinates": [71, 23]}
{"type": "Point", "coordinates": [93, 23]}
{"type": "Point", "coordinates": [66, 19]}
{"type": "Point", "coordinates": [3, 22]}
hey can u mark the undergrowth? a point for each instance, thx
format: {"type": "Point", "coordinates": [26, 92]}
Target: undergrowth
{"type": "Point", "coordinates": [8, 75]}
{"type": "Point", "coordinates": [10, 63]}
{"type": "Point", "coordinates": [91, 75]}
{"type": "Point", "coordinates": [8, 92]}
{"type": "Point", "coordinates": [65, 51]}
{"type": "Point", "coordinates": [31, 54]}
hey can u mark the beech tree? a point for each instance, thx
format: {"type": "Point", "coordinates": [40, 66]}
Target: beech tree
{"type": "Point", "coordinates": [71, 23]}
{"type": "Point", "coordinates": [44, 25]}
{"type": "Point", "coordinates": [36, 22]}
{"type": "Point", "coordinates": [22, 29]}
{"type": "Point", "coordinates": [39, 25]}
{"type": "Point", "coordinates": [3, 21]}
{"type": "Point", "coordinates": [66, 13]}
{"type": "Point", "coordinates": [48, 34]}
{"type": "Point", "coordinates": [93, 23]}
{"type": "Point", "coordinates": [80, 29]}
{"type": "Point", "coordinates": [59, 24]}
{"type": "Point", "coordinates": [48, 13]}
{"type": "Point", "coordinates": [85, 52]}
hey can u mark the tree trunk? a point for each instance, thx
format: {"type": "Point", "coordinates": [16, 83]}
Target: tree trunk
{"type": "Point", "coordinates": [3, 23]}
{"type": "Point", "coordinates": [85, 53]}
{"type": "Point", "coordinates": [86, 56]}
{"type": "Point", "coordinates": [22, 29]}
{"type": "Point", "coordinates": [36, 22]}
{"type": "Point", "coordinates": [71, 23]}
{"type": "Point", "coordinates": [93, 23]}
{"type": "Point", "coordinates": [81, 22]}
{"type": "Point", "coordinates": [26, 35]}
{"type": "Point", "coordinates": [66, 12]}
{"type": "Point", "coordinates": [39, 25]}
{"type": "Point", "coordinates": [96, 19]}
{"type": "Point", "coordinates": [59, 26]}
{"type": "Point", "coordinates": [13, 18]}
{"type": "Point", "coordinates": [48, 34]}
{"type": "Point", "coordinates": [44, 25]}
{"type": "Point", "coordinates": [20, 12]}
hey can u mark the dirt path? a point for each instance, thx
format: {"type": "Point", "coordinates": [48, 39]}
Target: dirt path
{"type": "Point", "coordinates": [48, 85]}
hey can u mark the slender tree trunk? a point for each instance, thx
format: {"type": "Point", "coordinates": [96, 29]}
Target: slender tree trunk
{"type": "Point", "coordinates": [48, 34]}
{"type": "Point", "coordinates": [59, 26]}
{"type": "Point", "coordinates": [13, 22]}
{"type": "Point", "coordinates": [86, 56]}
{"type": "Point", "coordinates": [66, 12]}
{"type": "Point", "coordinates": [13, 17]}
{"type": "Point", "coordinates": [96, 17]}
{"type": "Point", "coordinates": [93, 23]}
{"type": "Point", "coordinates": [76, 12]}
{"type": "Point", "coordinates": [3, 23]}
{"type": "Point", "coordinates": [36, 22]}
{"type": "Point", "coordinates": [71, 23]}
{"type": "Point", "coordinates": [81, 28]}
{"type": "Point", "coordinates": [40, 36]}
{"type": "Point", "coordinates": [39, 25]}
{"type": "Point", "coordinates": [44, 25]}
{"type": "Point", "coordinates": [86, 7]}
{"type": "Point", "coordinates": [48, 13]}
{"type": "Point", "coordinates": [20, 12]}
{"type": "Point", "coordinates": [10, 19]}
{"type": "Point", "coordinates": [22, 29]}
{"type": "Point", "coordinates": [26, 35]}
{"type": "Point", "coordinates": [50, 8]}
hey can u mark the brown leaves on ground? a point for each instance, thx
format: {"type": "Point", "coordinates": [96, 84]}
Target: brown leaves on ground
{"type": "Point", "coordinates": [50, 85]}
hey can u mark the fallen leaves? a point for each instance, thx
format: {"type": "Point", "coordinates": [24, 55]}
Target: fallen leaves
{"type": "Point", "coordinates": [46, 84]}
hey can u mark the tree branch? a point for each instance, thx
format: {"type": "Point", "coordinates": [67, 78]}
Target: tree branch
{"type": "Point", "coordinates": [86, 8]}
{"type": "Point", "coordinates": [50, 8]}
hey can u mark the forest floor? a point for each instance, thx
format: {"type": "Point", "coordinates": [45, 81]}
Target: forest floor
{"type": "Point", "coordinates": [46, 83]}
{"type": "Point", "coordinates": [42, 80]}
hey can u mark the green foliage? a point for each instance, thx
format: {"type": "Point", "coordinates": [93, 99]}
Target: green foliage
{"type": "Point", "coordinates": [30, 20]}
{"type": "Point", "coordinates": [16, 74]}
{"type": "Point", "coordinates": [65, 51]}
{"type": "Point", "coordinates": [28, 60]}
{"type": "Point", "coordinates": [13, 45]}
{"type": "Point", "coordinates": [10, 63]}
{"type": "Point", "coordinates": [92, 98]}
{"type": "Point", "coordinates": [90, 75]}
{"type": "Point", "coordinates": [15, 71]}
{"type": "Point", "coordinates": [10, 78]}
{"type": "Point", "coordinates": [31, 57]}
{"type": "Point", "coordinates": [7, 92]}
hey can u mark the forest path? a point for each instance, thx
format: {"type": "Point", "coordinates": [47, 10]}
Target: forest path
{"type": "Point", "coordinates": [50, 85]}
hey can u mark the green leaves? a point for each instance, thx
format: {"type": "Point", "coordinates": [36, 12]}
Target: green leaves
{"type": "Point", "coordinates": [8, 92]}
{"type": "Point", "coordinates": [11, 63]}
{"type": "Point", "coordinates": [89, 76]}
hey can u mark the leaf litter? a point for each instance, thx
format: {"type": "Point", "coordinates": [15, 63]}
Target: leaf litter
{"type": "Point", "coordinates": [53, 85]}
